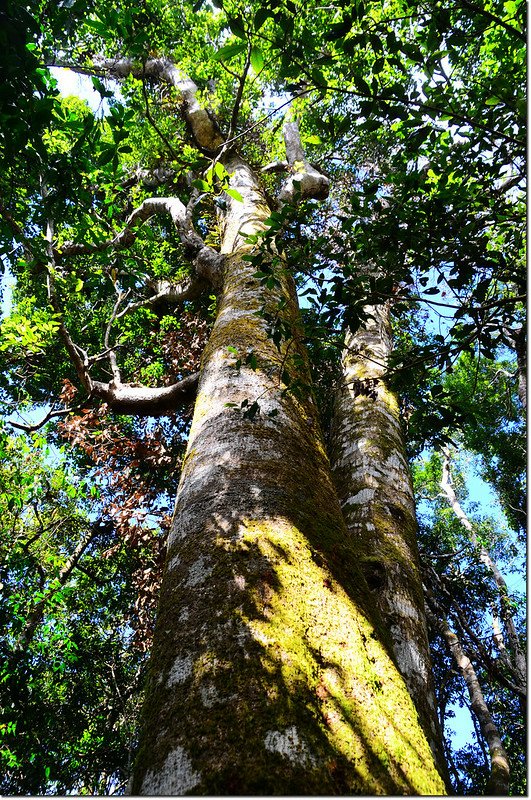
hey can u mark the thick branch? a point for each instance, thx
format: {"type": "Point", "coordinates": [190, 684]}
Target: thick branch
{"type": "Point", "coordinates": [203, 127]}
{"type": "Point", "coordinates": [150, 178]}
{"type": "Point", "coordinates": [207, 261]}
{"type": "Point", "coordinates": [126, 398]}
{"type": "Point", "coordinates": [304, 181]}
{"type": "Point", "coordinates": [166, 291]}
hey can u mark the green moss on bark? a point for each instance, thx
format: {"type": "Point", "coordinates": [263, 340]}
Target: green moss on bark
{"type": "Point", "coordinates": [270, 673]}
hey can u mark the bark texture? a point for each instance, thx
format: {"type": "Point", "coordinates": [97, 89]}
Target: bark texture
{"type": "Point", "coordinates": [268, 673]}
{"type": "Point", "coordinates": [374, 486]}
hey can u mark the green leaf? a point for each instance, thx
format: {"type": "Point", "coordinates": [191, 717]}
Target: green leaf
{"type": "Point", "coordinates": [97, 26]}
{"type": "Point", "coordinates": [203, 186]}
{"type": "Point", "coordinates": [234, 194]}
{"type": "Point", "coordinates": [319, 79]}
{"type": "Point", "coordinates": [229, 51]}
{"type": "Point", "coordinates": [362, 86]}
{"type": "Point", "coordinates": [236, 26]}
{"type": "Point", "coordinates": [257, 59]}
{"type": "Point", "coordinates": [260, 17]}
{"type": "Point", "coordinates": [220, 170]}
{"type": "Point", "coordinates": [338, 30]}
{"type": "Point", "coordinates": [106, 156]}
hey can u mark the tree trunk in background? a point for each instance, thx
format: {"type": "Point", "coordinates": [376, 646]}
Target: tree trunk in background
{"type": "Point", "coordinates": [515, 658]}
{"type": "Point", "coordinates": [499, 760]}
{"type": "Point", "coordinates": [374, 486]}
{"type": "Point", "coordinates": [269, 673]}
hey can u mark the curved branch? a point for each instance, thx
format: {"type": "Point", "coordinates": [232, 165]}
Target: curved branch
{"type": "Point", "coordinates": [203, 126]}
{"type": "Point", "coordinates": [208, 262]}
{"type": "Point", "coordinates": [31, 428]}
{"type": "Point", "coordinates": [305, 181]}
{"type": "Point", "coordinates": [127, 398]}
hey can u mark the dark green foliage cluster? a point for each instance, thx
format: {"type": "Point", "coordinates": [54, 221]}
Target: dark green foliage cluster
{"type": "Point", "coordinates": [70, 682]}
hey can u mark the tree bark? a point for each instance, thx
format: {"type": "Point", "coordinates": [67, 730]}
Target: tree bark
{"type": "Point", "coordinates": [374, 486]}
{"type": "Point", "coordinates": [269, 672]}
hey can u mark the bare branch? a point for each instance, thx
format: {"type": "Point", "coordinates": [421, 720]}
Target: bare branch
{"type": "Point", "coordinates": [168, 292]}
{"type": "Point", "coordinates": [239, 94]}
{"type": "Point", "coordinates": [150, 178]}
{"type": "Point", "coordinates": [127, 398]}
{"type": "Point", "coordinates": [275, 166]}
{"type": "Point", "coordinates": [62, 412]}
{"type": "Point", "coordinates": [305, 181]}
{"type": "Point", "coordinates": [106, 341]}
{"type": "Point", "coordinates": [208, 261]}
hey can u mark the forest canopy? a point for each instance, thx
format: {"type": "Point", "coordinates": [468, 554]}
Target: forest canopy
{"type": "Point", "coordinates": [263, 348]}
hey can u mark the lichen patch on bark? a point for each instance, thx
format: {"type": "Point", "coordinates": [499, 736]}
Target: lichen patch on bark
{"type": "Point", "coordinates": [289, 745]}
{"type": "Point", "coordinates": [182, 669]}
{"type": "Point", "coordinates": [177, 778]}
{"type": "Point", "coordinates": [198, 572]}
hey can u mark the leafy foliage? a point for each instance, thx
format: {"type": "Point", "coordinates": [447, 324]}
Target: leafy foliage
{"type": "Point", "coordinates": [416, 112]}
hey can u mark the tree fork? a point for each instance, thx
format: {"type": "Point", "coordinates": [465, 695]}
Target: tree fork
{"type": "Point", "coordinates": [268, 672]}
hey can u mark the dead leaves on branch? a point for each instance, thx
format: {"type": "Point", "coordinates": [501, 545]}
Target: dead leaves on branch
{"type": "Point", "coordinates": [135, 468]}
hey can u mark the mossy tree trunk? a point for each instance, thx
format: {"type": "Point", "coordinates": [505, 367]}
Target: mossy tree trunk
{"type": "Point", "coordinates": [374, 486]}
{"type": "Point", "coordinates": [270, 672]}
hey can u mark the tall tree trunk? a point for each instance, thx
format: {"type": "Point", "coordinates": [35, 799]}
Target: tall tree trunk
{"type": "Point", "coordinates": [373, 481]}
{"type": "Point", "coordinates": [269, 673]}
{"type": "Point", "coordinates": [499, 760]}
{"type": "Point", "coordinates": [515, 659]}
